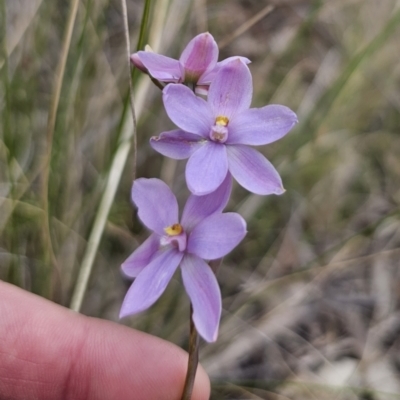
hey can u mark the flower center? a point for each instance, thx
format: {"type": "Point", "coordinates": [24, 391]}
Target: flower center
{"type": "Point", "coordinates": [176, 237]}
{"type": "Point", "coordinates": [219, 131]}
{"type": "Point", "coordinates": [222, 121]}
{"type": "Point", "coordinates": [173, 230]}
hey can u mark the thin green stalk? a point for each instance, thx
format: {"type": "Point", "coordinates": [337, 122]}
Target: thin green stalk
{"type": "Point", "coordinates": [7, 139]}
{"type": "Point", "coordinates": [5, 77]}
{"type": "Point", "coordinates": [143, 27]}
{"type": "Point", "coordinates": [131, 98]}
{"type": "Point", "coordinates": [51, 122]}
{"type": "Point", "coordinates": [117, 166]}
{"type": "Point", "coordinates": [193, 360]}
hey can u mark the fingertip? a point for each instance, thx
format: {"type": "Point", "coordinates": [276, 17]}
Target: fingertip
{"type": "Point", "coordinates": [48, 352]}
{"type": "Point", "coordinates": [202, 387]}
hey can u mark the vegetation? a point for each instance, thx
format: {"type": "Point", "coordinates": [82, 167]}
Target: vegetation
{"type": "Point", "coordinates": [311, 296]}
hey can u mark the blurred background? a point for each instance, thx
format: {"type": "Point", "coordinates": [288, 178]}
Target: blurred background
{"type": "Point", "coordinates": [311, 298]}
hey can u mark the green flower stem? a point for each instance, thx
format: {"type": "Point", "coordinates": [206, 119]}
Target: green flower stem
{"type": "Point", "coordinates": [193, 359]}
{"type": "Point", "coordinates": [194, 346]}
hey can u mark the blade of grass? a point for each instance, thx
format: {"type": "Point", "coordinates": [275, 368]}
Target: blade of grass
{"type": "Point", "coordinates": [246, 26]}
{"type": "Point", "coordinates": [51, 122]}
{"type": "Point", "coordinates": [12, 43]}
{"type": "Point", "coordinates": [117, 166]}
{"type": "Point", "coordinates": [131, 98]}
{"type": "Point", "coordinates": [5, 79]}
{"type": "Point", "coordinates": [309, 125]}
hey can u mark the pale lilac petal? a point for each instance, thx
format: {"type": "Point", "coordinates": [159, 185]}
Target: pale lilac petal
{"type": "Point", "coordinates": [244, 60]}
{"type": "Point", "coordinates": [198, 208]}
{"type": "Point", "coordinates": [258, 126]}
{"type": "Point", "coordinates": [141, 257]}
{"type": "Point", "coordinates": [176, 144]}
{"type": "Point", "coordinates": [231, 90]}
{"type": "Point", "coordinates": [135, 60]}
{"type": "Point", "coordinates": [253, 171]}
{"type": "Point", "coordinates": [200, 54]}
{"type": "Point", "coordinates": [202, 287]}
{"type": "Point", "coordinates": [187, 111]}
{"type": "Point", "coordinates": [216, 235]}
{"type": "Point", "coordinates": [202, 90]}
{"type": "Point", "coordinates": [160, 67]}
{"type": "Point", "coordinates": [206, 168]}
{"type": "Point", "coordinates": [151, 282]}
{"type": "Point", "coordinates": [209, 75]}
{"type": "Point", "coordinates": [157, 205]}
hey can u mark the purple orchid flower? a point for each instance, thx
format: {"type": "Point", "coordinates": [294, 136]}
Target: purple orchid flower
{"type": "Point", "coordinates": [203, 233]}
{"type": "Point", "coordinates": [197, 64]}
{"type": "Point", "coordinates": [215, 134]}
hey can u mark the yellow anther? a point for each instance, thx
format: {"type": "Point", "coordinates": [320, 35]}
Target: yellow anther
{"type": "Point", "coordinates": [221, 121]}
{"type": "Point", "coordinates": [173, 230]}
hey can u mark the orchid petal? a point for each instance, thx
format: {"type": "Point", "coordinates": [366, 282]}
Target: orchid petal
{"type": "Point", "coordinates": [176, 144]}
{"type": "Point", "coordinates": [200, 54]}
{"type": "Point", "coordinates": [198, 208]}
{"type": "Point", "coordinates": [141, 257]}
{"type": "Point", "coordinates": [151, 282]}
{"type": "Point", "coordinates": [160, 67]}
{"type": "Point", "coordinates": [207, 168]}
{"type": "Point", "coordinates": [216, 236]}
{"type": "Point", "coordinates": [258, 126]}
{"type": "Point", "coordinates": [187, 111]}
{"type": "Point", "coordinates": [209, 75]}
{"type": "Point", "coordinates": [157, 205]}
{"type": "Point", "coordinates": [135, 60]}
{"type": "Point", "coordinates": [205, 296]}
{"type": "Point", "coordinates": [222, 63]}
{"type": "Point", "coordinates": [203, 90]}
{"type": "Point", "coordinates": [253, 171]}
{"type": "Point", "coordinates": [231, 90]}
